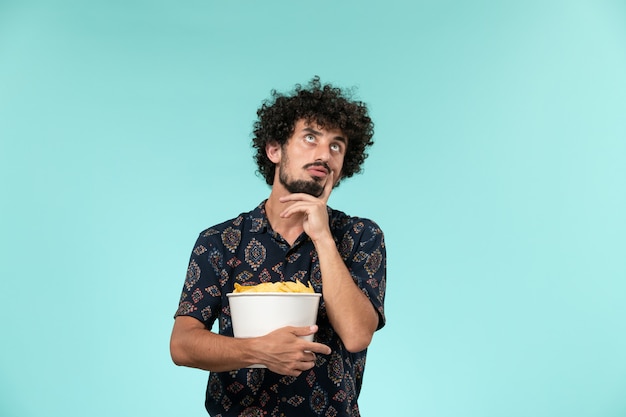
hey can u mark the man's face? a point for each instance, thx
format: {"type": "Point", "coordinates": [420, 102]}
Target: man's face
{"type": "Point", "coordinates": [309, 156]}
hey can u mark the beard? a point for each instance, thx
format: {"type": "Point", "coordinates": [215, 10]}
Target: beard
{"type": "Point", "coordinates": [312, 187]}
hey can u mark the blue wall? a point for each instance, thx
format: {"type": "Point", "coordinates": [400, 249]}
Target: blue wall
{"type": "Point", "coordinates": [498, 175]}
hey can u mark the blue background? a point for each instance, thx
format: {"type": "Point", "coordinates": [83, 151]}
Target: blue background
{"type": "Point", "coordinates": [498, 176]}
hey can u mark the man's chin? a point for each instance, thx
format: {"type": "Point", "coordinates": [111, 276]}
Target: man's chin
{"type": "Point", "coordinates": [313, 188]}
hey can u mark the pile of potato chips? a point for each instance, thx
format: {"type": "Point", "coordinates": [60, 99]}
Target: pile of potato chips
{"type": "Point", "coordinates": [275, 287]}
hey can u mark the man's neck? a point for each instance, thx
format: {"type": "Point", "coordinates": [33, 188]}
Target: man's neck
{"type": "Point", "coordinates": [289, 228]}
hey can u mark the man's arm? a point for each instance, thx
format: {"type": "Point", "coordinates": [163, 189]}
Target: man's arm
{"type": "Point", "coordinates": [350, 312]}
{"type": "Point", "coordinates": [282, 351]}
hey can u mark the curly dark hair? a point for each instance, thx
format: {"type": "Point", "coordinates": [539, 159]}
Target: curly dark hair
{"type": "Point", "coordinates": [329, 107]}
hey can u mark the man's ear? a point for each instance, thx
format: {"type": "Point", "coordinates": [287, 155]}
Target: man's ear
{"type": "Point", "coordinates": [273, 151]}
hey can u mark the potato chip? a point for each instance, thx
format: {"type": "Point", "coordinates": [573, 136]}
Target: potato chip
{"type": "Point", "coordinates": [275, 287]}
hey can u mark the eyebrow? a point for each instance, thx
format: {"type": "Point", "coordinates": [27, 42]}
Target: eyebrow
{"type": "Point", "coordinates": [315, 132]}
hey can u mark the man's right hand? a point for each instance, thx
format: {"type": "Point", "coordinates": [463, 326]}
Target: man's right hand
{"type": "Point", "coordinates": [285, 352]}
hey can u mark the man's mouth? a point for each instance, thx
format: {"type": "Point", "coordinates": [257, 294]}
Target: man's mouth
{"type": "Point", "coordinates": [318, 169]}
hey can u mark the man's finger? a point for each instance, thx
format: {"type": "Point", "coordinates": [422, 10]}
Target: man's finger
{"type": "Point", "coordinates": [310, 346]}
{"type": "Point", "coordinates": [303, 331]}
{"type": "Point", "coordinates": [328, 187]}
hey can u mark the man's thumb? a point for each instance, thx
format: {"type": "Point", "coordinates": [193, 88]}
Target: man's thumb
{"type": "Point", "coordinates": [304, 331]}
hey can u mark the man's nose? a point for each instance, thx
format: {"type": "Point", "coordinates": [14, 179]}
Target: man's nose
{"type": "Point", "coordinates": [322, 153]}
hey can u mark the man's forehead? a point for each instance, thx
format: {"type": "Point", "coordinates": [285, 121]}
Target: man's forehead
{"type": "Point", "coordinates": [317, 126]}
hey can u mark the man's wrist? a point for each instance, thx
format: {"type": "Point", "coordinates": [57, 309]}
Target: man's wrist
{"type": "Point", "coordinates": [323, 242]}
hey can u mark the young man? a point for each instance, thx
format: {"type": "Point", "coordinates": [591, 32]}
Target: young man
{"type": "Point", "coordinates": [305, 142]}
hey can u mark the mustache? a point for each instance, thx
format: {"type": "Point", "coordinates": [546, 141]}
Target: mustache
{"type": "Point", "coordinates": [318, 164]}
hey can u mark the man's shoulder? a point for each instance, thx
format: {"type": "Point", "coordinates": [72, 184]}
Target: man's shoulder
{"type": "Point", "coordinates": [341, 221]}
{"type": "Point", "coordinates": [246, 221]}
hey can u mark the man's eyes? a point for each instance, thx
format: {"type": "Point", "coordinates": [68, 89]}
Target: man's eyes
{"type": "Point", "coordinates": [335, 147]}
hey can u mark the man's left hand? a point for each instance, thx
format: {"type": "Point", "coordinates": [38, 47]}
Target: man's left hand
{"type": "Point", "coordinates": [313, 209]}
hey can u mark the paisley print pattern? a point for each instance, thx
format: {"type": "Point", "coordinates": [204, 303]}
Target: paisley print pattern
{"type": "Point", "coordinates": [265, 276]}
{"type": "Point", "coordinates": [345, 246]}
{"type": "Point", "coordinates": [199, 250]}
{"type": "Point", "coordinates": [318, 400]}
{"type": "Point", "coordinates": [246, 250]}
{"type": "Point", "coordinates": [255, 379]}
{"type": "Point", "coordinates": [193, 275]}
{"type": "Point", "coordinates": [255, 254]}
{"type": "Point", "coordinates": [185, 308]}
{"type": "Point", "coordinates": [206, 313]}
{"type": "Point", "coordinates": [231, 238]}
{"type": "Point", "coordinates": [372, 264]}
{"type": "Point", "coordinates": [335, 368]}
{"type": "Point", "coordinates": [196, 296]}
